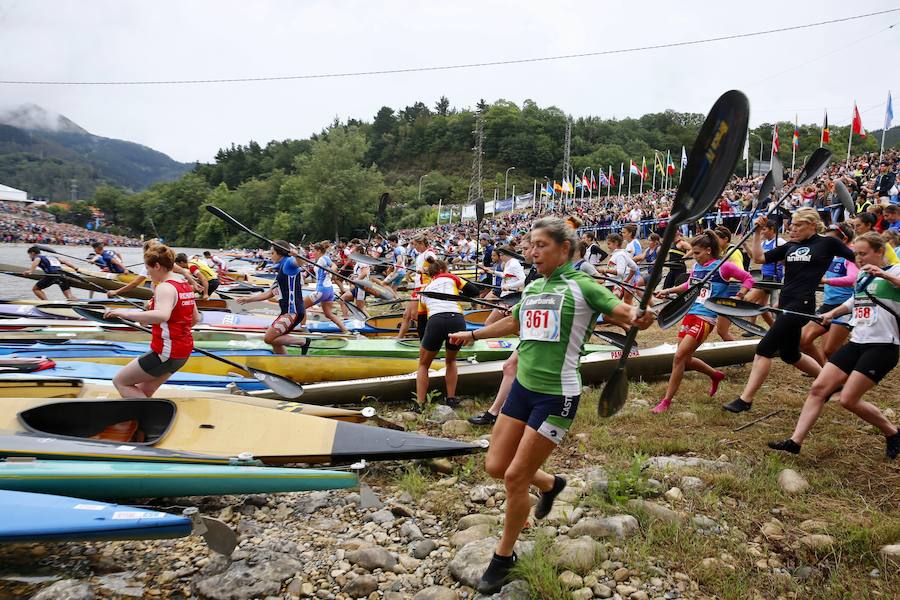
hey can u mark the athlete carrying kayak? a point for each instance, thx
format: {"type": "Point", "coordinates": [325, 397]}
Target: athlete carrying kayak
{"type": "Point", "coordinates": [554, 319]}
{"type": "Point", "coordinates": [872, 353]}
{"type": "Point", "coordinates": [52, 267]}
{"type": "Point", "coordinates": [171, 312]}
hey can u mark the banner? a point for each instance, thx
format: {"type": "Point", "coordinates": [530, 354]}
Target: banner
{"type": "Point", "coordinates": [523, 201]}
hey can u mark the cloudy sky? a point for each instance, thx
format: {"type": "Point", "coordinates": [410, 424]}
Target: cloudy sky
{"type": "Point", "coordinates": [801, 71]}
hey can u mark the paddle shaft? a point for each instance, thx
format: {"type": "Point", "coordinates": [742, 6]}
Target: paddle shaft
{"type": "Point", "coordinates": [44, 248]}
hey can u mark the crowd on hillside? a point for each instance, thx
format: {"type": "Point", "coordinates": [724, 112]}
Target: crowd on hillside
{"type": "Point", "coordinates": [22, 223]}
{"type": "Point", "coordinates": [873, 183]}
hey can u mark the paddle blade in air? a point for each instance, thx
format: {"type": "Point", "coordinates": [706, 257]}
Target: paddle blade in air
{"type": "Point", "coordinates": [815, 165]}
{"type": "Point", "coordinates": [845, 198]}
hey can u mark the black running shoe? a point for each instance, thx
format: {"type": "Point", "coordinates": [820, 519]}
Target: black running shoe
{"type": "Point", "coordinates": [787, 445]}
{"type": "Point", "coordinates": [451, 401]}
{"type": "Point", "coordinates": [892, 446]}
{"type": "Point", "coordinates": [485, 418]}
{"type": "Point", "coordinates": [497, 574]}
{"type": "Point", "coordinates": [304, 348]}
{"type": "Point", "coordinates": [545, 503]}
{"type": "Point", "coordinates": [737, 406]}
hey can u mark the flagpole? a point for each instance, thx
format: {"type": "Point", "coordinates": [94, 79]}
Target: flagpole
{"type": "Point", "coordinates": [888, 109]}
{"type": "Point", "coordinates": [629, 177]}
{"type": "Point", "coordinates": [608, 185]}
{"type": "Point", "coordinates": [533, 196]}
{"type": "Point", "coordinates": [440, 202]}
{"type": "Point", "coordinates": [621, 170]}
{"type": "Point", "coordinates": [772, 152]}
{"type": "Point", "coordinates": [794, 142]}
{"type": "Point", "coordinates": [850, 137]}
{"type": "Point", "coordinates": [653, 185]}
{"type": "Point", "coordinates": [643, 165]}
{"type": "Point", "coordinates": [822, 134]}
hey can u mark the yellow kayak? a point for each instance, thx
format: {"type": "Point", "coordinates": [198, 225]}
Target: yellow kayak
{"type": "Point", "coordinates": [302, 369]}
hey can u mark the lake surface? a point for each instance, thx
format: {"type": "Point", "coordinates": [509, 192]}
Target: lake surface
{"type": "Point", "coordinates": [16, 254]}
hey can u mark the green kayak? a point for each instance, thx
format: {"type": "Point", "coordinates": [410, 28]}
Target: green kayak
{"type": "Point", "coordinates": [98, 479]}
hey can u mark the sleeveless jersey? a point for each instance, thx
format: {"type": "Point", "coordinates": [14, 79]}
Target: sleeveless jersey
{"type": "Point", "coordinates": [873, 324]}
{"type": "Point", "coordinates": [323, 277]}
{"type": "Point", "coordinates": [48, 264]}
{"type": "Point", "coordinates": [108, 256]}
{"type": "Point", "coordinates": [289, 279]}
{"type": "Point", "coordinates": [199, 265]}
{"type": "Point", "coordinates": [716, 287]}
{"type": "Point", "coordinates": [774, 270]}
{"type": "Point", "coordinates": [173, 339]}
{"type": "Point", "coordinates": [556, 316]}
{"type": "Point", "coordinates": [833, 293]}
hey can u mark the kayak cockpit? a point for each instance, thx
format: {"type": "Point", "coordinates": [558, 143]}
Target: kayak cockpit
{"type": "Point", "coordinates": [135, 421]}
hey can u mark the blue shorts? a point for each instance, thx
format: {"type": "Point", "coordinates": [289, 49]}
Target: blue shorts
{"type": "Point", "coordinates": [396, 278]}
{"type": "Point", "coordinates": [325, 295]}
{"type": "Point", "coordinates": [549, 415]}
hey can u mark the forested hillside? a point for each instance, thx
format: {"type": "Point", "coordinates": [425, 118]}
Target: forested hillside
{"type": "Point", "coordinates": [329, 184]}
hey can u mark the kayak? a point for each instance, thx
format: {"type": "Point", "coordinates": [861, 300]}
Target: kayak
{"type": "Point", "coordinates": [389, 325]}
{"type": "Point", "coordinates": [22, 444]}
{"type": "Point", "coordinates": [99, 479]}
{"type": "Point", "coordinates": [89, 370]}
{"type": "Point", "coordinates": [108, 281]}
{"type": "Point", "coordinates": [51, 387]}
{"type": "Point", "coordinates": [219, 428]}
{"type": "Point", "coordinates": [31, 517]}
{"type": "Point", "coordinates": [302, 369]}
{"type": "Point", "coordinates": [482, 378]}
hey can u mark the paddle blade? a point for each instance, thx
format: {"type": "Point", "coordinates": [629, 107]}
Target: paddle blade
{"type": "Point", "coordinates": [96, 315]}
{"type": "Point", "coordinates": [366, 260]}
{"type": "Point", "coordinates": [675, 310]}
{"type": "Point", "coordinates": [515, 255]}
{"type": "Point", "coordinates": [777, 171]}
{"type": "Point", "coordinates": [767, 188]}
{"type": "Point", "coordinates": [356, 312]}
{"type": "Point", "coordinates": [845, 198]}
{"type": "Point", "coordinates": [611, 337]}
{"type": "Point", "coordinates": [713, 156]}
{"type": "Point", "coordinates": [44, 248]}
{"type": "Point", "coordinates": [814, 165]}
{"type": "Point", "coordinates": [732, 307]}
{"type": "Point", "coordinates": [282, 386]}
{"type": "Point", "coordinates": [479, 209]}
{"type": "Point", "coordinates": [751, 328]}
{"type": "Point", "coordinates": [218, 536]}
{"type": "Point", "coordinates": [614, 394]}
{"type": "Point", "coordinates": [382, 209]}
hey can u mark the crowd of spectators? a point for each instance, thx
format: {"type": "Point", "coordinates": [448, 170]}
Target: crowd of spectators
{"type": "Point", "coordinates": [23, 223]}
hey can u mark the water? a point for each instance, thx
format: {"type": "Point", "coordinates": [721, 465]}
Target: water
{"type": "Point", "coordinates": [19, 287]}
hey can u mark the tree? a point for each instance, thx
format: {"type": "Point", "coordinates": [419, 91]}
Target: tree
{"type": "Point", "coordinates": [442, 107]}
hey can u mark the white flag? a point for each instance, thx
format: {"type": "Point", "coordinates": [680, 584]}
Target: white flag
{"type": "Point", "coordinates": [747, 147]}
{"type": "Point", "coordinates": [683, 157]}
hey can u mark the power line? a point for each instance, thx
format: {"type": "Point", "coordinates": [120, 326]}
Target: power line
{"type": "Point", "coordinates": [496, 63]}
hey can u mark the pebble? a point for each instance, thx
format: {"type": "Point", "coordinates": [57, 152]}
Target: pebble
{"type": "Point", "coordinates": [891, 552]}
{"type": "Point", "coordinates": [441, 413]}
{"type": "Point", "coordinates": [655, 510]}
{"type": "Point", "coordinates": [602, 591]}
{"type": "Point", "coordinates": [456, 427]}
{"type": "Point", "coordinates": [792, 482]}
{"type": "Point", "coordinates": [583, 594]}
{"type": "Point", "coordinates": [476, 532]}
{"type": "Point", "coordinates": [674, 495]}
{"type": "Point", "coordinates": [691, 485]}
{"type": "Point", "coordinates": [361, 586]}
{"type": "Point", "coordinates": [619, 526]}
{"type": "Point", "coordinates": [571, 580]}
{"type": "Point", "coordinates": [422, 548]}
{"type": "Point", "coordinates": [677, 463]}
{"type": "Point", "coordinates": [436, 592]}
{"type": "Point", "coordinates": [66, 589]}
{"type": "Point", "coordinates": [372, 558]}
{"type": "Point", "coordinates": [578, 555]}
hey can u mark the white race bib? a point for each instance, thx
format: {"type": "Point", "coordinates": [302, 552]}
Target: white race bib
{"type": "Point", "coordinates": [705, 291]}
{"type": "Point", "coordinates": [540, 317]}
{"type": "Point", "coordinates": [54, 262]}
{"type": "Point", "coordinates": [864, 312]}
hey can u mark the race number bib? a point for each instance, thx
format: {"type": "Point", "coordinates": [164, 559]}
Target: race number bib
{"type": "Point", "coordinates": [704, 295]}
{"type": "Point", "coordinates": [54, 262]}
{"type": "Point", "coordinates": [864, 312]}
{"type": "Point", "coordinates": [540, 317]}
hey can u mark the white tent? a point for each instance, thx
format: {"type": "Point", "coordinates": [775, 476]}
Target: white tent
{"type": "Point", "coordinates": [9, 194]}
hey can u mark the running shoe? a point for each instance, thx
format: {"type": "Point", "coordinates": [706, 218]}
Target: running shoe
{"type": "Point", "coordinates": [716, 380]}
{"type": "Point", "coordinates": [662, 407]}
{"type": "Point", "coordinates": [787, 445]}
{"type": "Point", "coordinates": [737, 406]}
{"type": "Point", "coordinates": [545, 503]}
{"type": "Point", "coordinates": [485, 418]}
{"type": "Point", "coordinates": [497, 574]}
{"type": "Point", "coordinates": [892, 446]}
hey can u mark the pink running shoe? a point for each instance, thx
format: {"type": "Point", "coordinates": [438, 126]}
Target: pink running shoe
{"type": "Point", "coordinates": [716, 379]}
{"type": "Point", "coordinates": [662, 407]}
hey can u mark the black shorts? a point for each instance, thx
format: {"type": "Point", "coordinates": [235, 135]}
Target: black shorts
{"type": "Point", "coordinates": [421, 324]}
{"type": "Point", "coordinates": [673, 274]}
{"type": "Point", "coordinates": [828, 307]}
{"type": "Point", "coordinates": [872, 360]}
{"type": "Point", "coordinates": [48, 280]}
{"type": "Point", "coordinates": [783, 338]}
{"type": "Point", "coordinates": [549, 415]}
{"type": "Point", "coordinates": [213, 286]}
{"type": "Point", "coordinates": [153, 364]}
{"type": "Point", "coordinates": [439, 328]}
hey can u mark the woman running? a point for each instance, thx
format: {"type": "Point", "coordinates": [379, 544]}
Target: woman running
{"type": "Point", "coordinates": [871, 354]}
{"type": "Point", "coordinates": [324, 293]}
{"type": "Point", "coordinates": [700, 320]}
{"type": "Point", "coordinates": [771, 272]}
{"type": "Point", "coordinates": [171, 313]}
{"type": "Point", "coordinates": [288, 289]}
{"type": "Point", "coordinates": [839, 281]}
{"type": "Point", "coordinates": [806, 257]}
{"type": "Point", "coordinates": [723, 235]}
{"type": "Point", "coordinates": [554, 318]}
{"type": "Point", "coordinates": [444, 317]}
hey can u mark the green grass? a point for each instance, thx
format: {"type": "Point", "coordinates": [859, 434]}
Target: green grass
{"type": "Point", "coordinates": [413, 481]}
{"type": "Point", "coordinates": [539, 571]}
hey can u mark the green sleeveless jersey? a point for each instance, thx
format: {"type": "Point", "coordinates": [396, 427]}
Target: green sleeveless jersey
{"type": "Point", "coordinates": [556, 317]}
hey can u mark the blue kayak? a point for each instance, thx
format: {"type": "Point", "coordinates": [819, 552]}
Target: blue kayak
{"type": "Point", "coordinates": [87, 370]}
{"type": "Point", "coordinates": [76, 349]}
{"type": "Point", "coordinates": [29, 517]}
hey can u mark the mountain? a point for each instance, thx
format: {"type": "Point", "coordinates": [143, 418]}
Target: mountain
{"type": "Point", "coordinates": [42, 152]}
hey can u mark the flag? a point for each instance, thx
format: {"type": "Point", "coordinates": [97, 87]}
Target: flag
{"type": "Point", "coordinates": [621, 171]}
{"type": "Point", "coordinates": [603, 180]}
{"type": "Point", "coordinates": [775, 143]}
{"type": "Point", "coordinates": [644, 172]}
{"type": "Point", "coordinates": [557, 189]}
{"type": "Point", "coordinates": [857, 122]}
{"type": "Point", "coordinates": [587, 184]}
{"type": "Point", "coordinates": [566, 186]}
{"type": "Point", "coordinates": [594, 182]}
{"type": "Point", "coordinates": [888, 113]}
{"type": "Point", "coordinates": [683, 158]}
{"type": "Point", "coordinates": [658, 166]}
{"type": "Point", "coordinates": [633, 169]}
{"type": "Point", "coordinates": [670, 166]}
{"type": "Point", "coordinates": [826, 134]}
{"type": "Point", "coordinates": [546, 190]}
{"type": "Point", "coordinates": [795, 141]}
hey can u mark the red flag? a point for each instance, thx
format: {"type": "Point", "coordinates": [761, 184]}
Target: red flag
{"type": "Point", "coordinates": [774, 140]}
{"type": "Point", "coordinates": [593, 185]}
{"type": "Point", "coordinates": [857, 123]}
{"type": "Point", "coordinates": [826, 133]}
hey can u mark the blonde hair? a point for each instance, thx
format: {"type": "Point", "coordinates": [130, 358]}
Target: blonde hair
{"type": "Point", "coordinates": [809, 215]}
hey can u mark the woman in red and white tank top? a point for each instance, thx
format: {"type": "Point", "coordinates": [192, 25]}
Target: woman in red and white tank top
{"type": "Point", "coordinates": [171, 313]}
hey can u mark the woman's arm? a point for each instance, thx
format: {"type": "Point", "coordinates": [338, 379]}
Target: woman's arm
{"type": "Point", "coordinates": [164, 298]}
{"type": "Point", "coordinates": [136, 282]}
{"type": "Point", "coordinates": [270, 293]}
{"type": "Point", "coordinates": [731, 271]}
{"type": "Point", "coordinates": [848, 280]}
{"type": "Point", "coordinates": [505, 326]}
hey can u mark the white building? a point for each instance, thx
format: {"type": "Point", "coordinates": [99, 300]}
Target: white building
{"type": "Point", "coordinates": [10, 194]}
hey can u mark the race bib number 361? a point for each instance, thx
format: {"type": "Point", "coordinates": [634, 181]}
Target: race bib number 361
{"type": "Point", "coordinates": [540, 316]}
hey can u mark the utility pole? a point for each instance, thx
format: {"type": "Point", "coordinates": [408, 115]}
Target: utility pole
{"type": "Point", "coordinates": [476, 189]}
{"type": "Point", "coordinates": [567, 157]}
{"type": "Point", "coordinates": [73, 190]}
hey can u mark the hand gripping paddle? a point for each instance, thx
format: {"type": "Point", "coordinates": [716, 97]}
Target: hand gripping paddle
{"type": "Point", "coordinates": [710, 165]}
{"type": "Point", "coordinates": [677, 308]}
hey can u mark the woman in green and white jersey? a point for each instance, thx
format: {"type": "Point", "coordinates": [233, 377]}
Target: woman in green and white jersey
{"type": "Point", "coordinates": [554, 319]}
{"type": "Point", "coordinates": [871, 354]}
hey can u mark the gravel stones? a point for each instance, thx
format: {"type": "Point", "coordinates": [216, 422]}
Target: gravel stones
{"type": "Point", "coordinates": [242, 581]}
{"type": "Point", "coordinates": [371, 558]}
{"type": "Point", "coordinates": [67, 589]}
